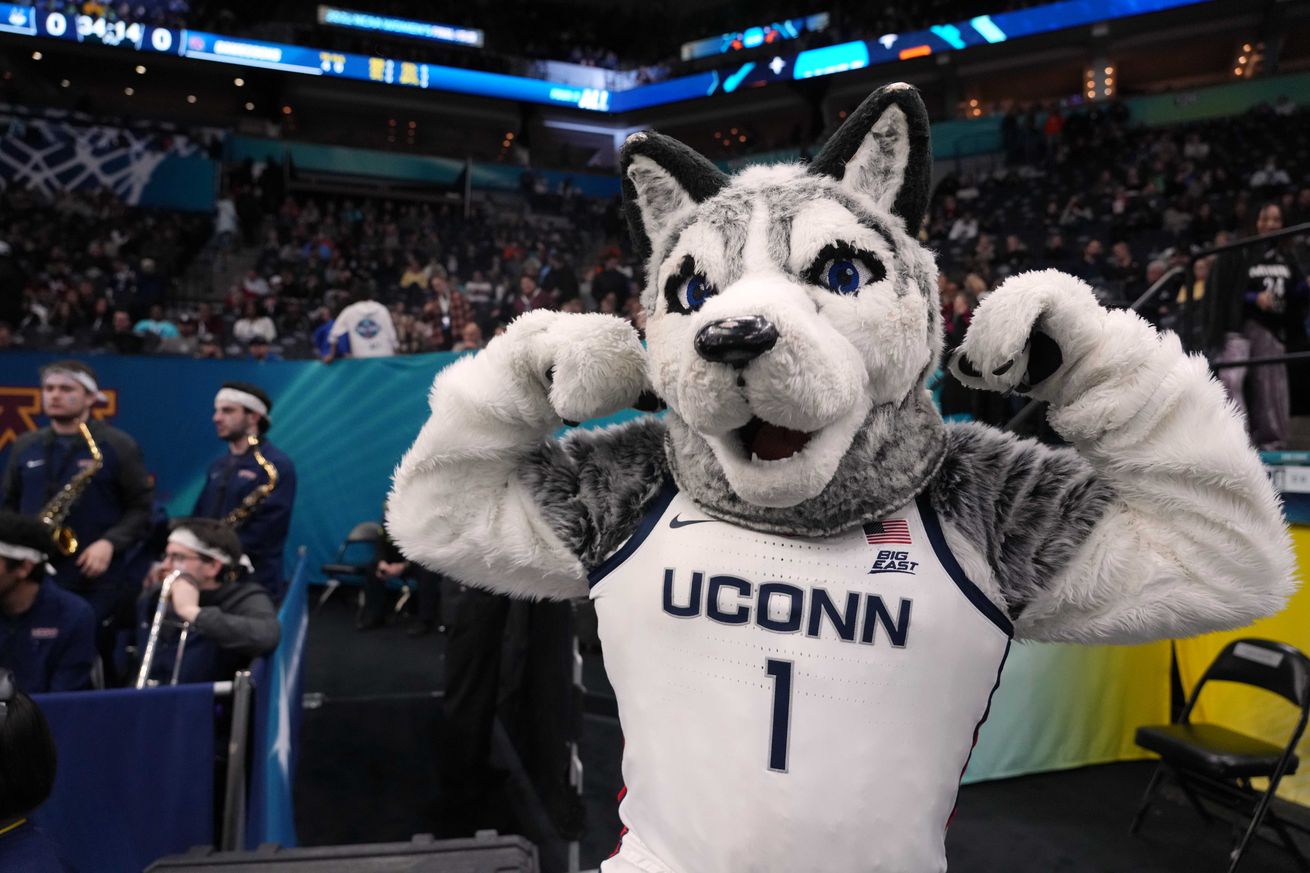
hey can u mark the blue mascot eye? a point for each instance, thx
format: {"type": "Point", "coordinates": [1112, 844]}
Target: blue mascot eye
{"type": "Point", "coordinates": [695, 292]}
{"type": "Point", "coordinates": [843, 276]}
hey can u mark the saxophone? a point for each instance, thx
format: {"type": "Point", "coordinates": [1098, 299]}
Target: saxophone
{"type": "Point", "coordinates": [240, 514]}
{"type": "Point", "coordinates": [52, 515]}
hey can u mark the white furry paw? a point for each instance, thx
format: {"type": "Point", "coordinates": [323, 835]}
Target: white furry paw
{"type": "Point", "coordinates": [1027, 331]}
{"type": "Point", "coordinates": [588, 365]}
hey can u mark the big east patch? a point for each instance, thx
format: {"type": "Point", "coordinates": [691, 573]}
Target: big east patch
{"type": "Point", "coordinates": [889, 561]}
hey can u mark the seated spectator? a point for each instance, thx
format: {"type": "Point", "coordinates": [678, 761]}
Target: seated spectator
{"type": "Point", "coordinates": [121, 338]}
{"type": "Point", "coordinates": [187, 341]}
{"type": "Point", "coordinates": [253, 323]}
{"type": "Point", "coordinates": [1270, 176]}
{"type": "Point", "coordinates": [558, 279]}
{"type": "Point", "coordinates": [209, 347]}
{"type": "Point", "coordinates": [231, 620]}
{"type": "Point", "coordinates": [471, 339]}
{"type": "Point", "coordinates": [415, 273]}
{"type": "Point", "coordinates": [1091, 267]}
{"type": "Point", "coordinates": [209, 321]}
{"type": "Point", "coordinates": [1016, 257]}
{"type": "Point", "coordinates": [156, 324]}
{"type": "Point", "coordinates": [27, 776]}
{"type": "Point", "coordinates": [610, 281]}
{"type": "Point", "coordinates": [260, 351]}
{"type": "Point", "coordinates": [47, 633]}
{"type": "Point", "coordinates": [254, 285]}
{"type": "Point", "coordinates": [480, 294]}
{"type": "Point", "coordinates": [964, 229]}
{"type": "Point", "coordinates": [1055, 254]}
{"type": "Point", "coordinates": [452, 311]}
{"type": "Point", "coordinates": [529, 297]}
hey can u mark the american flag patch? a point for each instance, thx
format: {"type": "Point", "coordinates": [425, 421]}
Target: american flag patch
{"type": "Point", "coordinates": [891, 531]}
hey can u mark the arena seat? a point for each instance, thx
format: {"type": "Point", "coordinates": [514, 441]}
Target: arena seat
{"type": "Point", "coordinates": [354, 559]}
{"type": "Point", "coordinates": [1217, 763]}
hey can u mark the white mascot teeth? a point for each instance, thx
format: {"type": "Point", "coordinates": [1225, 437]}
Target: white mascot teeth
{"type": "Point", "coordinates": [806, 583]}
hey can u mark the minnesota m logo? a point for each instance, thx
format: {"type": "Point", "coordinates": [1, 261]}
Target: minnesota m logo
{"type": "Point", "coordinates": [20, 406]}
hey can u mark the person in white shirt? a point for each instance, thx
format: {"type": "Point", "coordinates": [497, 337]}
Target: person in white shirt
{"type": "Point", "coordinates": [253, 323]}
{"type": "Point", "coordinates": [369, 326]}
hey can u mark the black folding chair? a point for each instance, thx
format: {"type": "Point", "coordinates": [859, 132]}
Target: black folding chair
{"type": "Point", "coordinates": [1211, 761]}
{"type": "Point", "coordinates": [354, 560]}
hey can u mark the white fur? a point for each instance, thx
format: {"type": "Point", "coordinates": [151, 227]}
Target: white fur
{"type": "Point", "coordinates": [660, 195]}
{"type": "Point", "coordinates": [1196, 539]}
{"type": "Point", "coordinates": [877, 169]}
{"type": "Point", "coordinates": [456, 502]}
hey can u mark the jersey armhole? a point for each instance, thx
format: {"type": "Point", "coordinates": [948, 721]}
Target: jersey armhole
{"type": "Point", "coordinates": [647, 524]}
{"type": "Point", "coordinates": [932, 526]}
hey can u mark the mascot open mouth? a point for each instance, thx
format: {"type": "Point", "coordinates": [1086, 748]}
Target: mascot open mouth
{"type": "Point", "coordinates": [770, 442]}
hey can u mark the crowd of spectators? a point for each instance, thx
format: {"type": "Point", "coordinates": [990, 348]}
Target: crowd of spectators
{"type": "Point", "coordinates": [96, 276]}
{"type": "Point", "coordinates": [1083, 191]}
{"type": "Point", "coordinates": [83, 269]}
{"type": "Point", "coordinates": [1120, 206]}
{"type": "Point", "coordinates": [450, 280]}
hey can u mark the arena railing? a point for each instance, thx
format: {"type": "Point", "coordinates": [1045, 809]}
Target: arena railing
{"type": "Point", "coordinates": [1187, 332]}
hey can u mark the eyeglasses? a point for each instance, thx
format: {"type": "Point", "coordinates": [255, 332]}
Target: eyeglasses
{"type": "Point", "coordinates": [7, 691]}
{"type": "Point", "coordinates": [178, 558]}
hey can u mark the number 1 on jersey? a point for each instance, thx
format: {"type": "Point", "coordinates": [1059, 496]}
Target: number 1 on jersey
{"type": "Point", "coordinates": [779, 733]}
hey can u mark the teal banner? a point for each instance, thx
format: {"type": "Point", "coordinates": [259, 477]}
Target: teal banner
{"type": "Point", "coordinates": [345, 426]}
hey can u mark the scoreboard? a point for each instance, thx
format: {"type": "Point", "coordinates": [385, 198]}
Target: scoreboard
{"type": "Point", "coordinates": [783, 66]}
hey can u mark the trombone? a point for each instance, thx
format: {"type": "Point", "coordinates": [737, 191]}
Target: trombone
{"type": "Point", "coordinates": [152, 641]}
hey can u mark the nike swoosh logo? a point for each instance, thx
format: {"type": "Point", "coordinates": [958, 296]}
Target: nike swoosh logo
{"type": "Point", "coordinates": [31, 464]}
{"type": "Point", "coordinates": [676, 522]}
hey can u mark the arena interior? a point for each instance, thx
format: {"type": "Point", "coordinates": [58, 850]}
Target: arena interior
{"type": "Point", "coordinates": [239, 240]}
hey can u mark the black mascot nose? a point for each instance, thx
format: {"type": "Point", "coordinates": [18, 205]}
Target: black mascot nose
{"type": "Point", "coordinates": [736, 341]}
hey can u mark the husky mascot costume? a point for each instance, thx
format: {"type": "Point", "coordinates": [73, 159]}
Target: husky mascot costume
{"type": "Point", "coordinates": [806, 582]}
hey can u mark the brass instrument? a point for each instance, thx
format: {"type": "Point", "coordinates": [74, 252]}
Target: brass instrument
{"type": "Point", "coordinates": [52, 515]}
{"type": "Point", "coordinates": [240, 514]}
{"type": "Point", "coordinates": [152, 641]}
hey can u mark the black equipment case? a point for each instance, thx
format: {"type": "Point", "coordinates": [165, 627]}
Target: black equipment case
{"type": "Point", "coordinates": [488, 852]}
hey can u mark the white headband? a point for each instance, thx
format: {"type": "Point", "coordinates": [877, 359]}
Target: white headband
{"type": "Point", "coordinates": [21, 553]}
{"type": "Point", "coordinates": [83, 379]}
{"type": "Point", "coordinates": [243, 398]}
{"type": "Point", "coordinates": [185, 538]}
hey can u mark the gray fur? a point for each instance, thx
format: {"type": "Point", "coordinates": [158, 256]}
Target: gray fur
{"type": "Point", "coordinates": [661, 195]}
{"type": "Point", "coordinates": [594, 486]}
{"type": "Point", "coordinates": [1027, 506]}
{"type": "Point", "coordinates": [882, 168]}
{"type": "Point", "coordinates": [894, 456]}
{"type": "Point", "coordinates": [729, 214]}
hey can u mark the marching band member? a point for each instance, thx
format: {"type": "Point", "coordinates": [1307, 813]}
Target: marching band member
{"type": "Point", "coordinates": [252, 486]}
{"type": "Point", "coordinates": [47, 634]}
{"type": "Point", "coordinates": [229, 620]}
{"type": "Point", "coordinates": [88, 478]}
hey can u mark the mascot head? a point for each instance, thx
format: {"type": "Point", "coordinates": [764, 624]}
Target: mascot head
{"type": "Point", "coordinates": [792, 320]}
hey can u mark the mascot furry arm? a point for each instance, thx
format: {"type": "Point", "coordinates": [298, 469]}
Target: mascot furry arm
{"type": "Point", "coordinates": [793, 320]}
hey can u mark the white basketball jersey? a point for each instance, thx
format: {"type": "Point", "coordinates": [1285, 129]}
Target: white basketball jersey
{"type": "Point", "coordinates": [792, 704]}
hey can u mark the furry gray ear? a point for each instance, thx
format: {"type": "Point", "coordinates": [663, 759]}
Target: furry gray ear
{"type": "Point", "coordinates": [884, 151]}
{"type": "Point", "coordinates": [661, 177]}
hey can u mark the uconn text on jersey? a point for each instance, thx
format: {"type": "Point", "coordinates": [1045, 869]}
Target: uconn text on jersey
{"type": "Point", "coordinates": [786, 609]}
